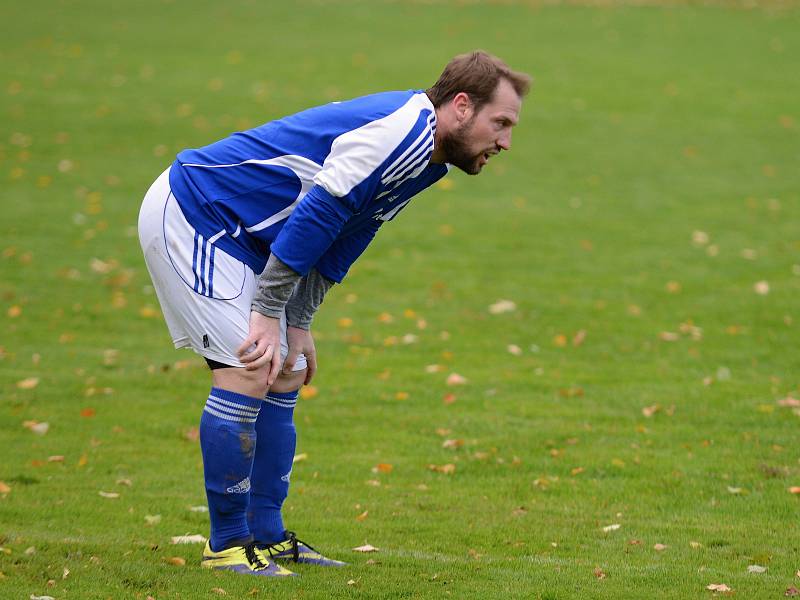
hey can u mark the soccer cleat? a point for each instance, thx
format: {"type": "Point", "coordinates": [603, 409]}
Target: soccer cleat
{"type": "Point", "coordinates": [298, 551]}
{"type": "Point", "coordinates": [243, 559]}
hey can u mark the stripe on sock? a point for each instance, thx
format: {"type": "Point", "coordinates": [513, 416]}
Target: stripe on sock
{"type": "Point", "coordinates": [225, 404]}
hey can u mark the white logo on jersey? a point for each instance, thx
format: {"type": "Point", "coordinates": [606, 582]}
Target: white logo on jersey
{"type": "Point", "coordinates": [286, 477]}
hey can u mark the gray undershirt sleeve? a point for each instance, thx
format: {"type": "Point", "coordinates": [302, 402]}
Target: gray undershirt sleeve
{"type": "Point", "coordinates": [306, 299]}
{"type": "Point", "coordinates": [279, 288]}
{"type": "Point", "coordinates": [275, 286]}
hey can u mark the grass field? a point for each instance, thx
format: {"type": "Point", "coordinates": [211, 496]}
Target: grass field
{"type": "Point", "coordinates": [627, 430]}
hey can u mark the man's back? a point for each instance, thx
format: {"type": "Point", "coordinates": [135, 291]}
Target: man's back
{"type": "Point", "coordinates": [372, 153]}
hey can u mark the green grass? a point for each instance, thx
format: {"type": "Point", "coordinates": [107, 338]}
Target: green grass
{"type": "Point", "coordinates": [645, 125]}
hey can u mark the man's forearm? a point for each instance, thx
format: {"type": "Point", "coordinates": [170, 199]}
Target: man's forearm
{"type": "Point", "coordinates": [306, 299]}
{"type": "Point", "coordinates": [275, 286]}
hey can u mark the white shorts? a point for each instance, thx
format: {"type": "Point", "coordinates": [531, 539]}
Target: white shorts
{"type": "Point", "coordinates": [204, 292]}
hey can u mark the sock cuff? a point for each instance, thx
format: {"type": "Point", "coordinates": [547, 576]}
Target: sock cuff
{"type": "Point", "coordinates": [275, 401]}
{"type": "Point", "coordinates": [230, 406]}
{"type": "Point", "coordinates": [242, 399]}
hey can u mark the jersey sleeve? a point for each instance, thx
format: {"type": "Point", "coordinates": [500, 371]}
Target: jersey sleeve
{"type": "Point", "coordinates": [340, 256]}
{"type": "Point", "coordinates": [347, 182]}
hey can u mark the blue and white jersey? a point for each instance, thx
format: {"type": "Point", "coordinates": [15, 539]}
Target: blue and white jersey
{"type": "Point", "coordinates": [314, 187]}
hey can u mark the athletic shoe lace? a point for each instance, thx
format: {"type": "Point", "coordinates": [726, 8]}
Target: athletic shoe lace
{"type": "Point", "coordinates": [294, 545]}
{"type": "Point", "coordinates": [253, 557]}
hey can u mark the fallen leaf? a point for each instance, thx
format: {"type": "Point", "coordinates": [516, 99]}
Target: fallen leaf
{"type": "Point", "coordinates": [219, 590]}
{"type": "Point", "coordinates": [124, 481]}
{"type": "Point", "coordinates": [383, 468]}
{"type": "Point", "coordinates": [669, 336]}
{"type": "Point", "coordinates": [579, 338]}
{"type": "Point", "coordinates": [199, 509]}
{"type": "Point", "coordinates": [560, 340]}
{"type": "Point", "coordinates": [300, 457]}
{"type": "Point", "coordinates": [576, 471]}
{"type": "Point", "coordinates": [309, 391]}
{"type": "Point", "coordinates": [789, 401]}
{"type": "Point", "coordinates": [178, 561]}
{"type": "Point", "coordinates": [452, 444]}
{"type": "Point", "coordinates": [14, 311]}
{"type": "Point", "coordinates": [351, 582]}
{"type": "Point", "coordinates": [514, 349]}
{"type": "Point", "coordinates": [362, 516]}
{"type": "Point", "coordinates": [108, 494]}
{"type": "Point", "coordinates": [345, 322]}
{"type": "Point", "coordinates": [443, 431]}
{"type": "Point", "coordinates": [447, 469]}
{"type": "Point", "coordinates": [192, 434]}
{"type": "Point", "coordinates": [366, 548]}
{"type": "Point", "coordinates": [152, 519]}
{"type": "Point", "coordinates": [456, 379]}
{"type": "Point", "coordinates": [88, 412]}
{"type": "Point", "coordinates": [756, 569]}
{"type": "Point", "coordinates": [695, 544]}
{"type": "Point", "coordinates": [434, 368]}
{"type": "Point", "coordinates": [718, 587]}
{"type": "Point", "coordinates": [28, 383]}
{"type": "Point", "coordinates": [188, 539]}
{"type": "Point", "coordinates": [761, 288]}
{"type": "Point", "coordinates": [36, 427]}
{"type": "Point", "coordinates": [56, 458]}
{"type": "Point", "coordinates": [35, 597]}
{"type": "Point", "coordinates": [649, 411]}
{"type": "Point", "coordinates": [794, 489]}
{"type": "Point", "coordinates": [4, 488]}
{"type": "Point", "coordinates": [502, 306]}
{"type": "Point", "coordinates": [449, 398]}
{"type": "Point", "coordinates": [659, 547]}
{"type": "Point", "coordinates": [791, 592]}
{"type": "Point", "coordinates": [598, 572]}
{"type": "Point", "coordinates": [612, 527]}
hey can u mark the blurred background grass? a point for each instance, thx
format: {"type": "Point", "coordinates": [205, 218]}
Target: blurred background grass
{"type": "Point", "coordinates": [652, 184]}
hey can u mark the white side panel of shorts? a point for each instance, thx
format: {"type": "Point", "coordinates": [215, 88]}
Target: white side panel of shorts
{"type": "Point", "coordinates": [214, 327]}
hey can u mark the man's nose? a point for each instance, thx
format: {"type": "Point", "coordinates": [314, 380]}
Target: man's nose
{"type": "Point", "coordinates": [504, 141]}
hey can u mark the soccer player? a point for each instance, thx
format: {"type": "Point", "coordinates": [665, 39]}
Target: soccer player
{"type": "Point", "coordinates": [244, 237]}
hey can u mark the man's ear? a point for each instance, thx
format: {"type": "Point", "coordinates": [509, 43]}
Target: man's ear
{"type": "Point", "coordinates": [462, 104]}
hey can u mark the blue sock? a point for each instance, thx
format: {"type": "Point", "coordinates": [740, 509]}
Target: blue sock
{"type": "Point", "coordinates": [228, 442]}
{"type": "Point", "coordinates": [272, 466]}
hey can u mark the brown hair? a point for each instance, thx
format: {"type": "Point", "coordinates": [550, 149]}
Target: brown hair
{"type": "Point", "coordinates": [476, 74]}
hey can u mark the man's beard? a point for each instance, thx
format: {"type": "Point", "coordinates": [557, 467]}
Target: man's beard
{"type": "Point", "coordinates": [457, 151]}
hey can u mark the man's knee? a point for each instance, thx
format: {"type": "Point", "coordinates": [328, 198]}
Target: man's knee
{"type": "Point", "coordinates": [289, 382]}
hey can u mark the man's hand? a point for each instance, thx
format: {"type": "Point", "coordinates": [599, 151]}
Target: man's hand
{"type": "Point", "coordinates": [262, 345]}
{"type": "Point", "coordinates": [300, 342]}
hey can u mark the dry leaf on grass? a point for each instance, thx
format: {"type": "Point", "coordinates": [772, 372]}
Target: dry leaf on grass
{"type": "Point", "coordinates": [456, 379]}
{"type": "Point", "coordinates": [502, 306]}
{"type": "Point", "coordinates": [28, 383]}
{"type": "Point", "coordinates": [366, 548]}
{"type": "Point", "coordinates": [188, 539]}
{"type": "Point", "coordinates": [718, 587]}
{"type": "Point", "coordinates": [447, 469]}
{"type": "Point", "coordinates": [4, 488]}
{"type": "Point", "coordinates": [599, 573]}
{"type": "Point", "coordinates": [756, 569]}
{"type": "Point", "coordinates": [300, 457]}
{"type": "Point", "coordinates": [111, 495]}
{"type": "Point", "coordinates": [178, 561]}
{"type": "Point", "coordinates": [612, 527]}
